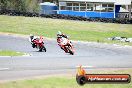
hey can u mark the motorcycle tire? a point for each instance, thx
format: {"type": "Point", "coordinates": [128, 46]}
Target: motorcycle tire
{"type": "Point", "coordinates": [70, 51]}
{"type": "Point", "coordinates": [44, 49]}
{"type": "Point", "coordinates": [41, 49]}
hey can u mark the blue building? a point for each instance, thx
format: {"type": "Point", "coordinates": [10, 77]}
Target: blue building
{"type": "Point", "coordinates": [92, 8]}
{"type": "Point", "coordinates": [48, 8]}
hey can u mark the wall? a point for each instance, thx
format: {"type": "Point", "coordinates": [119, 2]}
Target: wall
{"type": "Point", "coordinates": [88, 14]}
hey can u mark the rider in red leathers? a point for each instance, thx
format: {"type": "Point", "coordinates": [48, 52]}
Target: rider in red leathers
{"type": "Point", "coordinates": [37, 42]}
{"type": "Point", "coordinates": [35, 38]}
{"type": "Point", "coordinates": [59, 36]}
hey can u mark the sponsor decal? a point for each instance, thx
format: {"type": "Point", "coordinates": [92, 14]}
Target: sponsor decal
{"type": "Point", "coordinates": [83, 78]}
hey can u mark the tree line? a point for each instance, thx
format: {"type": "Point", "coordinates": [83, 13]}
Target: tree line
{"type": "Point", "coordinates": [21, 5]}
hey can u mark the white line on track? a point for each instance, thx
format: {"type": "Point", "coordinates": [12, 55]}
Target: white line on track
{"type": "Point", "coordinates": [1, 69]}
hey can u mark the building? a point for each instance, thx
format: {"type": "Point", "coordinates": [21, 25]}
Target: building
{"type": "Point", "coordinates": [48, 8]}
{"type": "Point", "coordinates": [93, 8]}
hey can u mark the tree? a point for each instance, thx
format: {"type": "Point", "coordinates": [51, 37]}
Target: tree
{"type": "Point", "coordinates": [22, 5]}
{"type": "Point", "coordinates": [4, 4]}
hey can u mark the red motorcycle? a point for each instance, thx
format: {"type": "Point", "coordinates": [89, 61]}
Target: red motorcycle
{"type": "Point", "coordinates": [38, 43]}
{"type": "Point", "coordinates": [66, 45]}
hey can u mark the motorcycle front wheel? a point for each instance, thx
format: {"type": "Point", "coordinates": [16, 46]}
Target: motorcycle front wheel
{"type": "Point", "coordinates": [70, 51]}
{"type": "Point", "coordinates": [42, 49]}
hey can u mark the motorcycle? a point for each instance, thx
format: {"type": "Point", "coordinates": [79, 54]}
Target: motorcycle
{"type": "Point", "coordinates": [66, 45]}
{"type": "Point", "coordinates": [37, 43]}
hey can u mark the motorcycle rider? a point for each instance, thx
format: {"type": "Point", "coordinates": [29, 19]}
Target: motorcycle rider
{"type": "Point", "coordinates": [61, 35]}
{"type": "Point", "coordinates": [32, 38]}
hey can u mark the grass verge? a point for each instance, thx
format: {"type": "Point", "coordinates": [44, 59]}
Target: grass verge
{"type": "Point", "coordinates": [10, 53]}
{"type": "Point", "coordinates": [77, 30]}
{"type": "Point", "coordinates": [65, 82]}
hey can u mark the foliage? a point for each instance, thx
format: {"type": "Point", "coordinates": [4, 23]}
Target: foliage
{"type": "Point", "coordinates": [20, 5]}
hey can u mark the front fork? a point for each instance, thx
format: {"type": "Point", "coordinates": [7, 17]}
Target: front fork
{"type": "Point", "coordinates": [64, 48]}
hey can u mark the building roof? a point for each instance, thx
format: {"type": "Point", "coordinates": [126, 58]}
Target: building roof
{"type": "Point", "coordinates": [48, 3]}
{"type": "Point", "coordinates": [91, 0]}
{"type": "Point", "coordinates": [123, 2]}
{"type": "Point", "coordinates": [117, 2]}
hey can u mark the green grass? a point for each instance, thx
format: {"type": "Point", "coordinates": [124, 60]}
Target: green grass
{"type": "Point", "coordinates": [64, 82]}
{"type": "Point", "coordinates": [77, 30]}
{"type": "Point", "coordinates": [10, 53]}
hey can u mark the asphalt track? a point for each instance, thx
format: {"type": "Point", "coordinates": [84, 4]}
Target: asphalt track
{"type": "Point", "coordinates": [55, 61]}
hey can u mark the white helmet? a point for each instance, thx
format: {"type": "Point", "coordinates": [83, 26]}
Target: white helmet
{"type": "Point", "coordinates": [59, 33]}
{"type": "Point", "coordinates": [31, 35]}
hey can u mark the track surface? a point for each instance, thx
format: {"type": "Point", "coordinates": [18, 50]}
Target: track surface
{"type": "Point", "coordinates": [55, 61]}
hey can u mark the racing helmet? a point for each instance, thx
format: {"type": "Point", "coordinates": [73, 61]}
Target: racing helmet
{"type": "Point", "coordinates": [59, 33]}
{"type": "Point", "coordinates": [31, 36]}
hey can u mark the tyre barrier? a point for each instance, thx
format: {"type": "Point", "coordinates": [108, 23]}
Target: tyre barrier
{"type": "Point", "coordinates": [67, 17]}
{"type": "Point", "coordinates": [122, 39]}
